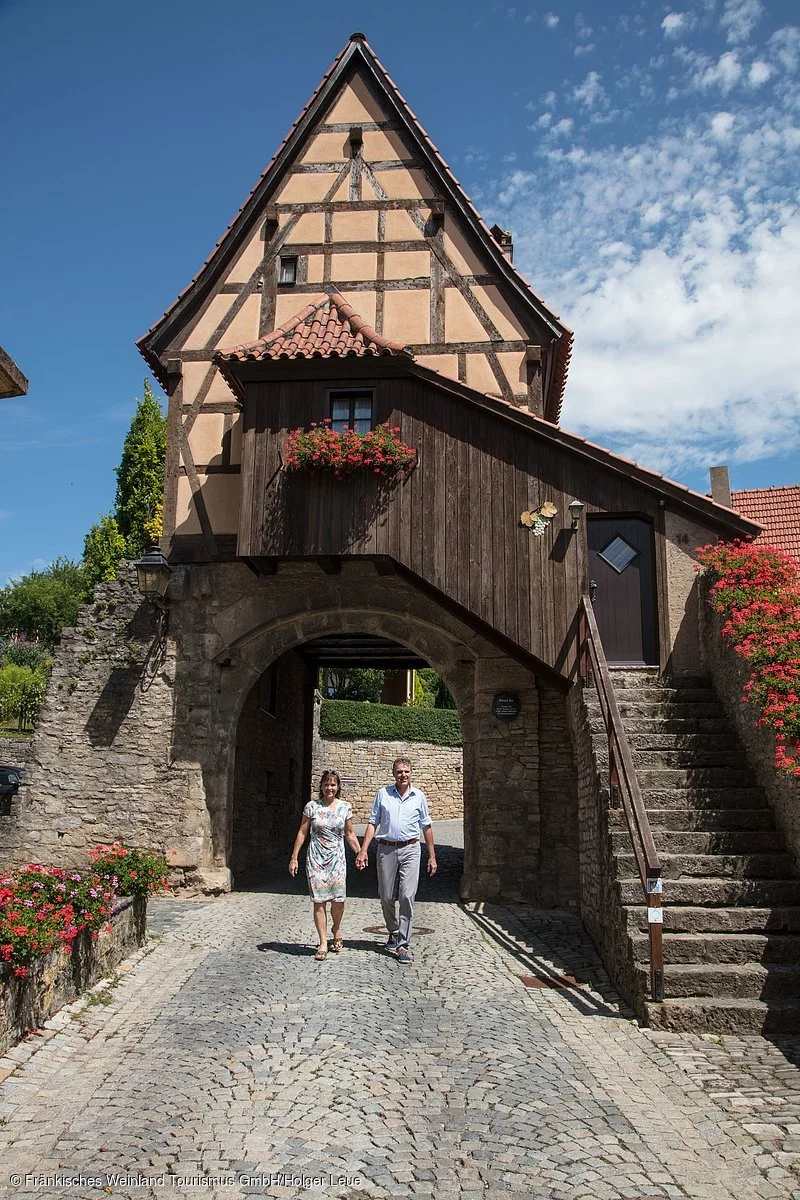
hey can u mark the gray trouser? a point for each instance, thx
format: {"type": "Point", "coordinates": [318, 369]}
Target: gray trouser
{"type": "Point", "coordinates": [398, 877]}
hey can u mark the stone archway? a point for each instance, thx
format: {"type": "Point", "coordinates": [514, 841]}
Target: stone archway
{"type": "Point", "coordinates": [277, 758]}
{"type": "Point", "coordinates": [519, 778]}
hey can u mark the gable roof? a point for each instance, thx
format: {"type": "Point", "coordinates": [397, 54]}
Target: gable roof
{"type": "Point", "coordinates": [328, 327]}
{"type": "Point", "coordinates": [358, 54]}
{"type": "Point", "coordinates": [777, 510]}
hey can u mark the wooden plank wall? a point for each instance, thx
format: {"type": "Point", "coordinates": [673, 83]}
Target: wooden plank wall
{"type": "Point", "coordinates": [454, 520]}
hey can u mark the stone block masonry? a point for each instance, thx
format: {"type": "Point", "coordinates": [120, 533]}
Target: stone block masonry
{"type": "Point", "coordinates": [191, 765]}
{"type": "Point", "coordinates": [366, 765]}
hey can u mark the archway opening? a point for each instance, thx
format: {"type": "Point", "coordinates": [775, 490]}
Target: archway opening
{"type": "Point", "coordinates": [350, 702]}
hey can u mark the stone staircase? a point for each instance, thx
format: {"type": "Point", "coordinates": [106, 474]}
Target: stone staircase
{"type": "Point", "coordinates": [731, 893]}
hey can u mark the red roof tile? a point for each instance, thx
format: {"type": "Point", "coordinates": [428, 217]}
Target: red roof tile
{"type": "Point", "coordinates": [777, 509]}
{"type": "Point", "coordinates": [328, 327]}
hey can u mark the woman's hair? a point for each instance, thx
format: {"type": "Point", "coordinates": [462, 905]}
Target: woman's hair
{"type": "Point", "coordinates": [326, 777]}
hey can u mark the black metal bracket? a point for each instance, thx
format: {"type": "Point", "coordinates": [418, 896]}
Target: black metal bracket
{"type": "Point", "coordinates": [157, 651]}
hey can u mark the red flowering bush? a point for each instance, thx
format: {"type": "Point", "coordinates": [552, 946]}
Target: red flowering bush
{"type": "Point", "coordinates": [757, 588]}
{"type": "Point", "coordinates": [321, 448]}
{"type": "Point", "coordinates": [132, 872]}
{"type": "Point", "coordinates": [42, 908]}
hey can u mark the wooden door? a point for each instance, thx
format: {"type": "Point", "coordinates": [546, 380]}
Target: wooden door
{"type": "Point", "coordinates": [621, 568]}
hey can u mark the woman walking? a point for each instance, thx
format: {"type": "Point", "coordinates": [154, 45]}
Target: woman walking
{"type": "Point", "coordinates": [330, 821]}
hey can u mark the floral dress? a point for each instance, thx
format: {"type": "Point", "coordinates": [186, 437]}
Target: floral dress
{"type": "Point", "coordinates": [325, 862]}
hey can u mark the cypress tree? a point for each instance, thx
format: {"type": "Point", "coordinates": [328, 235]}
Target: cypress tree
{"type": "Point", "coordinates": [140, 474]}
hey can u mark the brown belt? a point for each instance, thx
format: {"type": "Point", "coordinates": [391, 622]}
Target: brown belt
{"type": "Point", "coordinates": [387, 842]}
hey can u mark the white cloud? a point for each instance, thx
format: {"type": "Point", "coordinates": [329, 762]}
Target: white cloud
{"type": "Point", "coordinates": [591, 92]}
{"type": "Point", "coordinates": [724, 74]}
{"type": "Point", "coordinates": [674, 24]}
{"type": "Point", "coordinates": [759, 73]}
{"type": "Point", "coordinates": [549, 99]}
{"type": "Point", "coordinates": [584, 48]}
{"type": "Point", "coordinates": [563, 126]}
{"type": "Point", "coordinates": [721, 126]}
{"type": "Point", "coordinates": [672, 257]}
{"type": "Point", "coordinates": [740, 17]}
{"type": "Point", "coordinates": [551, 20]}
{"type": "Point", "coordinates": [785, 46]}
{"type": "Point", "coordinates": [544, 120]}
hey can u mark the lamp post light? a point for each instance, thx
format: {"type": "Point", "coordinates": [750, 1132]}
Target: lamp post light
{"type": "Point", "coordinates": [152, 576]}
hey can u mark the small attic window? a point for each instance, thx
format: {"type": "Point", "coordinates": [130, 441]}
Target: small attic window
{"type": "Point", "coordinates": [288, 270]}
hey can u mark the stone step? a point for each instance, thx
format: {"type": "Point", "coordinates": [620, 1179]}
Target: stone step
{"type": "Point", "coordinates": [688, 919]}
{"type": "Point", "coordinates": [708, 818]}
{"type": "Point", "coordinates": [636, 710]}
{"type": "Point", "coordinates": [704, 798]}
{"type": "Point", "coordinates": [711, 759]}
{"type": "Point", "coordinates": [716, 892]}
{"type": "Point", "coordinates": [658, 694]}
{"type": "Point", "coordinates": [680, 727]}
{"type": "Point", "coordinates": [709, 1015]}
{"type": "Point", "coordinates": [755, 981]}
{"type": "Point", "coordinates": [713, 948]}
{"type": "Point", "coordinates": [642, 741]}
{"type": "Point", "coordinates": [715, 866]}
{"type": "Point", "coordinates": [717, 841]}
{"type": "Point", "coordinates": [704, 777]}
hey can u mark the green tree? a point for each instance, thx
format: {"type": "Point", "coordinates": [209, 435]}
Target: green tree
{"type": "Point", "coordinates": [435, 692]}
{"type": "Point", "coordinates": [352, 683]}
{"type": "Point", "coordinates": [25, 654]}
{"type": "Point", "coordinates": [39, 605]}
{"type": "Point", "coordinates": [103, 551]}
{"type": "Point", "coordinates": [140, 474]}
{"type": "Point", "coordinates": [21, 693]}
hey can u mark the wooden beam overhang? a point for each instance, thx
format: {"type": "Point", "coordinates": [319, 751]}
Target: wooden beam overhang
{"type": "Point", "coordinates": [12, 381]}
{"type": "Point", "coordinates": [356, 55]}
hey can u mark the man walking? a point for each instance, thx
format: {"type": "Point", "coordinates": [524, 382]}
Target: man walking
{"type": "Point", "coordinates": [399, 813]}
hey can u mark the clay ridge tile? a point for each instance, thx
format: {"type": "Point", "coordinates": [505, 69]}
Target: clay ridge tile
{"type": "Point", "coordinates": [327, 326]}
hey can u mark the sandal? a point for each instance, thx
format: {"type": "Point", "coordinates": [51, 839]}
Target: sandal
{"type": "Point", "coordinates": [322, 954]}
{"type": "Point", "coordinates": [338, 945]}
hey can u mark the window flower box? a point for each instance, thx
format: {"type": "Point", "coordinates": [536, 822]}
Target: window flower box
{"type": "Point", "coordinates": [344, 454]}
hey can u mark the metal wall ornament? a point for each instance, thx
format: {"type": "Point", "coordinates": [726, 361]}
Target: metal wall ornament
{"type": "Point", "coordinates": [538, 519]}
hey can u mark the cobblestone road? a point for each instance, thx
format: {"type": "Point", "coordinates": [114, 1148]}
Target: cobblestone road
{"type": "Point", "coordinates": [225, 1052]}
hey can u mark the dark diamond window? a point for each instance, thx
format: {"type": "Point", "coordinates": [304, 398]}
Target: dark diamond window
{"type": "Point", "coordinates": [619, 554]}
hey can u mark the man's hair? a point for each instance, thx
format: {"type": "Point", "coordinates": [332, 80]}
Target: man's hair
{"type": "Point", "coordinates": [397, 762]}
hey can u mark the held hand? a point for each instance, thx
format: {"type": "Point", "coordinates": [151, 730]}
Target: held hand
{"type": "Point", "coordinates": [432, 866]}
{"type": "Point", "coordinates": [361, 860]}
{"type": "Point", "coordinates": [293, 867]}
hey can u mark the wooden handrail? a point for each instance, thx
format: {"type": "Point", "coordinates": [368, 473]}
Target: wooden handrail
{"type": "Point", "coordinates": [624, 785]}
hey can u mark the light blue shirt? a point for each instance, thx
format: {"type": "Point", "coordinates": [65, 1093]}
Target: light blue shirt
{"type": "Point", "coordinates": [399, 818]}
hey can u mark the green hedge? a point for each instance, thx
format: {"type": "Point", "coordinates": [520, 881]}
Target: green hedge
{"type": "Point", "coordinates": [353, 719]}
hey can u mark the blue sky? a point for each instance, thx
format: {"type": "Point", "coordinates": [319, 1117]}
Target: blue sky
{"type": "Point", "coordinates": [644, 156]}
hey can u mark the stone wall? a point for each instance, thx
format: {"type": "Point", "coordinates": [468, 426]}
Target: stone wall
{"type": "Point", "coordinates": [16, 751]}
{"type": "Point", "coordinates": [57, 978]}
{"type": "Point", "coordinates": [601, 908]}
{"type": "Point", "coordinates": [163, 768]}
{"type": "Point", "coordinates": [268, 785]}
{"type": "Point", "coordinates": [102, 764]}
{"type": "Point", "coordinates": [366, 765]}
{"type": "Point", "coordinates": [729, 674]}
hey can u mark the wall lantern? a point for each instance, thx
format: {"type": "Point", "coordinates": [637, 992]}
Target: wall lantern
{"type": "Point", "coordinates": [539, 518]}
{"type": "Point", "coordinates": [152, 575]}
{"type": "Point", "coordinates": [576, 508]}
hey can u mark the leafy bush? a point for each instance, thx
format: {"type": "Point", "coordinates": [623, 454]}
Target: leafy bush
{"type": "Point", "coordinates": [25, 654]}
{"type": "Point", "coordinates": [757, 588]}
{"type": "Point", "coordinates": [350, 719]}
{"type": "Point", "coordinates": [21, 692]}
{"type": "Point", "coordinates": [132, 872]}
